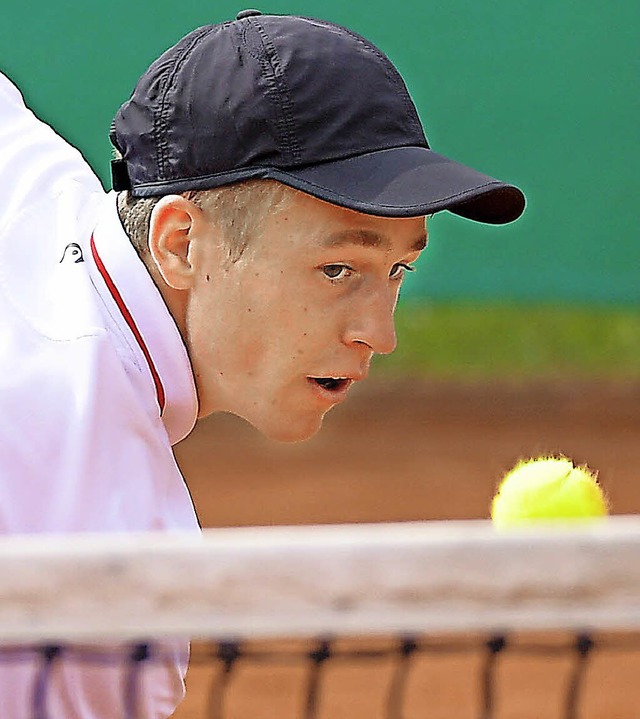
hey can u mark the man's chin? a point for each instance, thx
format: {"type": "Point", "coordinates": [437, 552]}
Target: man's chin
{"type": "Point", "coordinates": [289, 431]}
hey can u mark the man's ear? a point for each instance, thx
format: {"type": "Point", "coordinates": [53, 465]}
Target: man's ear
{"type": "Point", "coordinates": [175, 224]}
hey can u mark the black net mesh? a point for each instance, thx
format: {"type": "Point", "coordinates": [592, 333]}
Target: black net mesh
{"type": "Point", "coordinates": [218, 674]}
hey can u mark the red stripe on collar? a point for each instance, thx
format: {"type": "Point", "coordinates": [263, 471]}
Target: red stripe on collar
{"type": "Point", "coordinates": [117, 297]}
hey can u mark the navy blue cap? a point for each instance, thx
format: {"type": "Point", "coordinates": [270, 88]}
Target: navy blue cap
{"type": "Point", "coordinates": [302, 101]}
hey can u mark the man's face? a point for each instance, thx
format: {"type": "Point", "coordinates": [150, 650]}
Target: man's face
{"type": "Point", "coordinates": [280, 335]}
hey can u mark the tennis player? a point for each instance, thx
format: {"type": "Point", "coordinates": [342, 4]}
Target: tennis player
{"type": "Point", "coordinates": [270, 193]}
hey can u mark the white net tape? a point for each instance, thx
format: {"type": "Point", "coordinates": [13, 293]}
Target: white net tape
{"type": "Point", "coordinates": [431, 577]}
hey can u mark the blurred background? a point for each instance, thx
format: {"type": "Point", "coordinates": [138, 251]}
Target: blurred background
{"type": "Point", "coordinates": [515, 340]}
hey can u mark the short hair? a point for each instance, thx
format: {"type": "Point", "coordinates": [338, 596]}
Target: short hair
{"type": "Point", "coordinates": [237, 209]}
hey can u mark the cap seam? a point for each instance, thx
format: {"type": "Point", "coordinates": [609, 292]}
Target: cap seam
{"type": "Point", "coordinates": [276, 81]}
{"type": "Point", "coordinates": [160, 121]}
{"type": "Point", "coordinates": [354, 155]}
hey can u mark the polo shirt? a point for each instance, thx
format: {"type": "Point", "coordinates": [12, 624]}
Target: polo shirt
{"type": "Point", "coordinates": [95, 388]}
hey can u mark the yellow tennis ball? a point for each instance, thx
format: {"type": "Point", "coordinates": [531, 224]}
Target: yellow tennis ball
{"type": "Point", "coordinates": [547, 488]}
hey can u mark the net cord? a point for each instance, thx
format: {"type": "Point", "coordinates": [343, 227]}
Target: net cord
{"type": "Point", "coordinates": [406, 579]}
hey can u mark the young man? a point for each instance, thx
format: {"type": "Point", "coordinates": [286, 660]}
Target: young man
{"type": "Point", "coordinates": [270, 193]}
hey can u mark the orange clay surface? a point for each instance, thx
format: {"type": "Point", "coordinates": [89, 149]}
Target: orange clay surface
{"type": "Point", "coordinates": [405, 450]}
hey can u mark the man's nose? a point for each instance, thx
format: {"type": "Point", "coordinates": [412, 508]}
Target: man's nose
{"type": "Point", "coordinates": [372, 322]}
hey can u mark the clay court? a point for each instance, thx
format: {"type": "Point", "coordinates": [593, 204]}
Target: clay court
{"type": "Point", "coordinates": [417, 450]}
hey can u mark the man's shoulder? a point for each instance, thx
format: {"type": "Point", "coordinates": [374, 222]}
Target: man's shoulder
{"type": "Point", "coordinates": [36, 164]}
{"type": "Point", "coordinates": [44, 275]}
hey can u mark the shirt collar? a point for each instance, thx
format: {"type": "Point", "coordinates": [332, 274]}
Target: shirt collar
{"type": "Point", "coordinates": [127, 284]}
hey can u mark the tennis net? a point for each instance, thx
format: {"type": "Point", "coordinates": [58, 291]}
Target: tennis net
{"type": "Point", "coordinates": [433, 619]}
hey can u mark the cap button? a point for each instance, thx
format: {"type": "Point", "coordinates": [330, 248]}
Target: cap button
{"type": "Point", "coordinates": [247, 13]}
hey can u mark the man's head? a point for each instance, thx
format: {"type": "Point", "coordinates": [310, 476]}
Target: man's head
{"type": "Point", "coordinates": [316, 120]}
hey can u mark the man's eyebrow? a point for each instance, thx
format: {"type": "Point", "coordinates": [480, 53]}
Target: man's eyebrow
{"type": "Point", "coordinates": [367, 238]}
{"type": "Point", "coordinates": [420, 243]}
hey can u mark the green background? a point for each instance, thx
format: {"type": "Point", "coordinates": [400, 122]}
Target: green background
{"type": "Point", "coordinates": [542, 93]}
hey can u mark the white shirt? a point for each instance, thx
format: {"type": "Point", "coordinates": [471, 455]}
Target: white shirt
{"type": "Point", "coordinates": [95, 385]}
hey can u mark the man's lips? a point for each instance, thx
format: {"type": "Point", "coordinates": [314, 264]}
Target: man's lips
{"type": "Point", "coordinates": [336, 384]}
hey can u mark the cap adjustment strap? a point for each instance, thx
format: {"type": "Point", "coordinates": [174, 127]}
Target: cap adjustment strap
{"type": "Point", "coordinates": [120, 175]}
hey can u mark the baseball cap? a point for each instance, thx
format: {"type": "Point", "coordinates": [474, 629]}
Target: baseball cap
{"type": "Point", "coordinates": [302, 101]}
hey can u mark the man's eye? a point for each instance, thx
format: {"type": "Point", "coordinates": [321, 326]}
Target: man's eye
{"type": "Point", "coordinates": [398, 271]}
{"type": "Point", "coordinates": [337, 272]}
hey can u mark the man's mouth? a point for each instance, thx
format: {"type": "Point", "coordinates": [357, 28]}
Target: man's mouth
{"type": "Point", "coordinates": [332, 384]}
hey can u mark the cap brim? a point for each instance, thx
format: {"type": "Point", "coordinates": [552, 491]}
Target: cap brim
{"type": "Point", "coordinates": [407, 182]}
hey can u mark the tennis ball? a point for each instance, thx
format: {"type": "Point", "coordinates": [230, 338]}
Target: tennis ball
{"type": "Point", "coordinates": [547, 488]}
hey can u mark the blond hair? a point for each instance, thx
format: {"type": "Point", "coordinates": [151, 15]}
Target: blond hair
{"type": "Point", "coordinates": [238, 210]}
